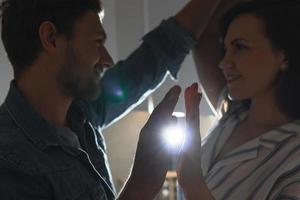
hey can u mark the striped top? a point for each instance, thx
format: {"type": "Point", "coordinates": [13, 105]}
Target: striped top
{"type": "Point", "coordinates": [267, 167]}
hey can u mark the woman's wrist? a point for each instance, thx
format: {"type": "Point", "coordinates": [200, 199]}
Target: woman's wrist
{"type": "Point", "coordinates": [197, 189]}
{"type": "Point", "coordinates": [192, 185]}
{"type": "Point", "coordinates": [199, 193]}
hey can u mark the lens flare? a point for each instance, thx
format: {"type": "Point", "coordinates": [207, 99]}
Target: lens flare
{"type": "Point", "coordinates": [173, 136]}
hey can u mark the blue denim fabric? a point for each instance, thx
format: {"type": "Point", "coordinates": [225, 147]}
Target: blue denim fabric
{"type": "Point", "coordinates": [36, 164]}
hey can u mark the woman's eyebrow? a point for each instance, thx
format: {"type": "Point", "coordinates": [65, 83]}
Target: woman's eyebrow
{"type": "Point", "coordinates": [237, 40]}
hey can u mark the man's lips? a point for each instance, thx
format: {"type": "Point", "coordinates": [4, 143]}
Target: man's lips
{"type": "Point", "coordinates": [99, 71]}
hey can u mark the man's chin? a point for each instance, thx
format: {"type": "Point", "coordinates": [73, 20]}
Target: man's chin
{"type": "Point", "coordinates": [90, 93]}
{"type": "Point", "coordinates": [94, 96]}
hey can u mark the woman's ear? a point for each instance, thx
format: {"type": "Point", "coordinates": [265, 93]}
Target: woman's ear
{"type": "Point", "coordinates": [284, 61]}
{"type": "Point", "coordinates": [284, 66]}
{"type": "Point", "coordinates": [48, 36]}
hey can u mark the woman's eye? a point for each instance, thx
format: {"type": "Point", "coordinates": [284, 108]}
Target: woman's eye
{"type": "Point", "coordinates": [240, 47]}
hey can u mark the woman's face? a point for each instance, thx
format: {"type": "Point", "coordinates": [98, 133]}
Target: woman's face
{"type": "Point", "coordinates": [250, 64]}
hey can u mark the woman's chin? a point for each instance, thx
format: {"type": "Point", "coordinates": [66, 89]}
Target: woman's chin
{"type": "Point", "coordinates": [235, 96]}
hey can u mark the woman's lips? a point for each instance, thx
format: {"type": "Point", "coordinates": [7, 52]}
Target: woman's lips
{"type": "Point", "coordinates": [232, 78]}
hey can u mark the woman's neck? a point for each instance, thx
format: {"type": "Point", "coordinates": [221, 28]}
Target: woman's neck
{"type": "Point", "coordinates": [264, 112]}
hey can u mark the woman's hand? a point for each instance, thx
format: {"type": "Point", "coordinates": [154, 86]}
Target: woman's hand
{"type": "Point", "coordinates": [189, 170]}
{"type": "Point", "coordinates": [189, 164]}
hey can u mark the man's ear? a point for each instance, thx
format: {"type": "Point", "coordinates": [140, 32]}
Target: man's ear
{"type": "Point", "coordinates": [48, 36]}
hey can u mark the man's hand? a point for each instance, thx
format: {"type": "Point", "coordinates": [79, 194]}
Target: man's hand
{"type": "Point", "coordinates": [152, 157]}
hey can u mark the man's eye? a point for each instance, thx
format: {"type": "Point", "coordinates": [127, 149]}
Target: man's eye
{"type": "Point", "coordinates": [100, 42]}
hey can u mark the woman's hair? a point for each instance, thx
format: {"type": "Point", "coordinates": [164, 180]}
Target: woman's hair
{"type": "Point", "coordinates": [282, 25]}
{"type": "Point", "coordinates": [21, 20]}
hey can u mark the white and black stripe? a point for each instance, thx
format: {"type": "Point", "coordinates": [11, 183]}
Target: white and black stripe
{"type": "Point", "coordinates": [267, 167]}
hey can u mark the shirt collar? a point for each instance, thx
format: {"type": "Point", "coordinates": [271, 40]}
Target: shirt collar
{"type": "Point", "coordinates": [268, 140]}
{"type": "Point", "coordinates": [274, 137]}
{"type": "Point", "coordinates": [278, 135]}
{"type": "Point", "coordinates": [34, 126]}
{"type": "Point", "coordinates": [250, 149]}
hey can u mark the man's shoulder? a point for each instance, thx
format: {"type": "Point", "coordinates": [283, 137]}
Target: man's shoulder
{"type": "Point", "coordinates": [10, 133]}
{"type": "Point", "coordinates": [15, 149]}
{"type": "Point", "coordinates": [8, 126]}
{"type": "Point", "coordinates": [18, 153]}
{"type": "Point", "coordinates": [6, 120]}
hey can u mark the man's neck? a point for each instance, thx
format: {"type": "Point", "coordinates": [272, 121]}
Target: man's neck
{"type": "Point", "coordinates": [46, 98]}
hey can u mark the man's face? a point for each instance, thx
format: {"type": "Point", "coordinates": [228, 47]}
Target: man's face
{"type": "Point", "coordinates": [85, 59]}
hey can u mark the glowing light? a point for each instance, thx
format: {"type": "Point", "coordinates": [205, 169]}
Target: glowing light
{"type": "Point", "coordinates": [165, 192]}
{"type": "Point", "coordinates": [150, 104]}
{"type": "Point", "coordinates": [173, 136]}
{"type": "Point", "coordinates": [179, 114]}
{"type": "Point", "coordinates": [101, 15]}
{"type": "Point", "coordinates": [118, 92]}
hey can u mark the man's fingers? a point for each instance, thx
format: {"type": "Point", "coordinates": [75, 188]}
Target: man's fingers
{"type": "Point", "coordinates": [167, 105]}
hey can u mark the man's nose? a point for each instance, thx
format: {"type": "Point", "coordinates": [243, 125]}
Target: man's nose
{"type": "Point", "coordinates": [105, 59]}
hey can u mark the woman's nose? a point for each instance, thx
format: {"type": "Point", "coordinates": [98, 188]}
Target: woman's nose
{"type": "Point", "coordinates": [226, 62]}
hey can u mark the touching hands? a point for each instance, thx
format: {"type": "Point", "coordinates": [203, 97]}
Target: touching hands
{"type": "Point", "coordinates": [153, 157]}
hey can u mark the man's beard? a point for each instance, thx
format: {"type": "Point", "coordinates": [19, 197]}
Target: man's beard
{"type": "Point", "coordinates": [75, 84]}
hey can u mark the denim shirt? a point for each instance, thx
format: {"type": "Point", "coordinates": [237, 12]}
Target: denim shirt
{"type": "Point", "coordinates": [36, 163]}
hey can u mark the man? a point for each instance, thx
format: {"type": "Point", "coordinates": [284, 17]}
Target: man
{"type": "Point", "coordinates": [51, 145]}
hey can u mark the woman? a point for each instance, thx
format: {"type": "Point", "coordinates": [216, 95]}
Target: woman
{"type": "Point", "coordinates": [254, 151]}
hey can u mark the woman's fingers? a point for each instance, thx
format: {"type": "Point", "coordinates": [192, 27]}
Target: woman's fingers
{"type": "Point", "coordinates": [192, 103]}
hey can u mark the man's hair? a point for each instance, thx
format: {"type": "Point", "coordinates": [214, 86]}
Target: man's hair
{"type": "Point", "coordinates": [282, 27]}
{"type": "Point", "coordinates": [21, 20]}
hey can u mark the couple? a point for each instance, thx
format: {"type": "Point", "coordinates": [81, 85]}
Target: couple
{"type": "Point", "coordinates": [51, 146]}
